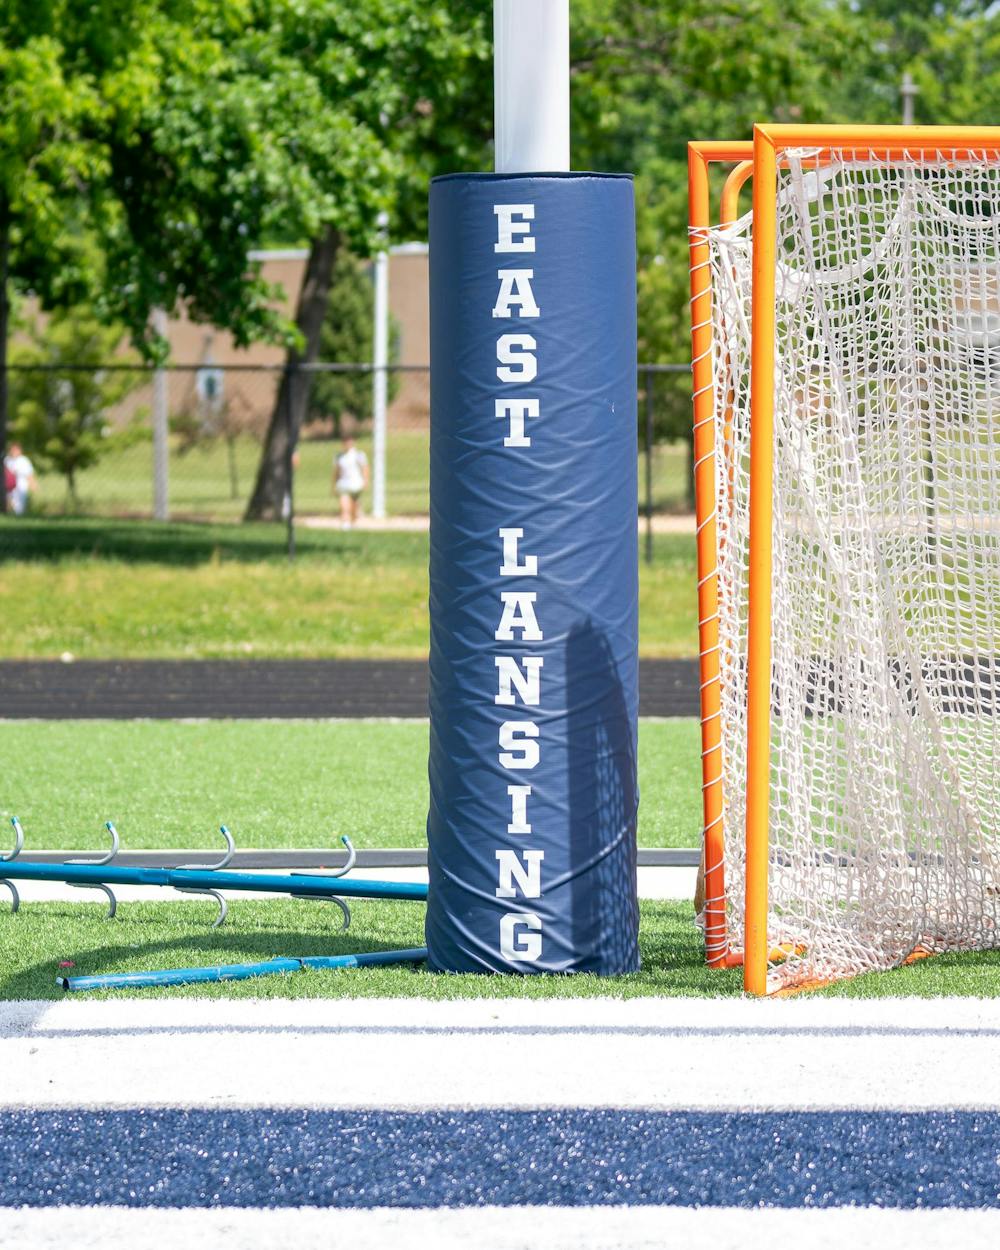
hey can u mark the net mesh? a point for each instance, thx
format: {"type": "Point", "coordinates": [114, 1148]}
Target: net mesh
{"type": "Point", "coordinates": [884, 791]}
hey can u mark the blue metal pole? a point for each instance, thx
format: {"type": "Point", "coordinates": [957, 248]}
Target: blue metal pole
{"type": "Point", "coordinates": [239, 972]}
{"type": "Point", "coordinates": [301, 885]}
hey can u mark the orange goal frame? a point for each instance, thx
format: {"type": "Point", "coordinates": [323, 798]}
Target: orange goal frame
{"type": "Point", "coordinates": [765, 153]}
{"type": "Point", "coordinates": [700, 157]}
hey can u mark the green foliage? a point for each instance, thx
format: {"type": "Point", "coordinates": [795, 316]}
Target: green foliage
{"type": "Point", "coordinates": [147, 146]}
{"type": "Point", "coordinates": [61, 408]}
{"type": "Point", "coordinates": [347, 338]}
{"type": "Point", "coordinates": [648, 78]}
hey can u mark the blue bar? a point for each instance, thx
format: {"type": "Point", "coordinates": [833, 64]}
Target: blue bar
{"type": "Point", "coordinates": [239, 972]}
{"type": "Point", "coordinates": [300, 885]}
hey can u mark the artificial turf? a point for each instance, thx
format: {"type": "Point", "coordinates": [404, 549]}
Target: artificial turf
{"type": "Point", "coordinates": [169, 784]}
{"type": "Point", "coordinates": [46, 940]}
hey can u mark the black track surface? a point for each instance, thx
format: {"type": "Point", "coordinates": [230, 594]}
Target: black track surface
{"type": "Point", "coordinates": [251, 689]}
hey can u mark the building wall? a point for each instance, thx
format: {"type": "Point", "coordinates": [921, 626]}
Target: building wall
{"type": "Point", "coordinates": [252, 393]}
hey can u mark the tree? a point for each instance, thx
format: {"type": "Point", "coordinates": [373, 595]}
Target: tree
{"type": "Point", "coordinates": [346, 337]}
{"type": "Point", "coordinates": [414, 78]}
{"type": "Point", "coordinates": [61, 406]}
{"type": "Point", "coordinates": [55, 59]}
{"type": "Point", "coordinates": [202, 423]}
{"type": "Point", "coordinates": [146, 146]}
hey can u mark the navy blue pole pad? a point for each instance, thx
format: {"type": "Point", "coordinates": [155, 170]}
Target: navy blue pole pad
{"type": "Point", "coordinates": [533, 575]}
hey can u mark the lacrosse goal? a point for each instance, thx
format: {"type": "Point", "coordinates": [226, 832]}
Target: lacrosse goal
{"type": "Point", "coordinates": [846, 347]}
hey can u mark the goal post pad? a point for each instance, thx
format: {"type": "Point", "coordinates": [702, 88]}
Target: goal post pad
{"type": "Point", "coordinates": [533, 575]}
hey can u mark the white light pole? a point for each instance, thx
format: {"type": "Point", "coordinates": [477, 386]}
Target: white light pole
{"type": "Point", "coordinates": [380, 377]}
{"type": "Point", "coordinates": [908, 90]}
{"type": "Point", "coordinates": [161, 431]}
{"type": "Point", "coordinates": [531, 86]}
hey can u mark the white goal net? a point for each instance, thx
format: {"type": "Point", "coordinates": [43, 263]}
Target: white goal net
{"type": "Point", "coordinates": [885, 612]}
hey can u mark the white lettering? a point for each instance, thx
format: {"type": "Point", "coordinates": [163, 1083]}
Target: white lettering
{"type": "Point", "coordinates": [516, 350]}
{"type": "Point", "coordinates": [528, 683]}
{"type": "Point", "coordinates": [520, 750]}
{"type": "Point", "coordinates": [521, 947]}
{"type": "Point", "coordinates": [516, 410]}
{"type": "Point", "coordinates": [508, 228]}
{"type": "Point", "coordinates": [510, 566]}
{"type": "Point", "coordinates": [515, 289]}
{"type": "Point", "coordinates": [518, 613]}
{"type": "Point", "coordinates": [519, 809]}
{"type": "Point", "coordinates": [514, 875]}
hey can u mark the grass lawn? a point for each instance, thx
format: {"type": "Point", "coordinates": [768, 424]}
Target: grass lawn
{"type": "Point", "coordinates": [210, 482]}
{"type": "Point", "coordinates": [42, 936]}
{"type": "Point", "coordinates": [119, 589]}
{"type": "Point", "coordinates": [276, 784]}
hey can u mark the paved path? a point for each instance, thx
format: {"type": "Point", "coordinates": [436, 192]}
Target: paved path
{"type": "Point", "coordinates": [252, 689]}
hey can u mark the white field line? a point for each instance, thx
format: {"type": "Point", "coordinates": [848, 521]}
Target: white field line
{"type": "Point", "coordinates": [416, 1054]}
{"type": "Point", "coordinates": [654, 883]}
{"type": "Point", "coordinates": [501, 1228]}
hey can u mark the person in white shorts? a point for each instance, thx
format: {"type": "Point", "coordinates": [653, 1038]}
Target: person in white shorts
{"type": "Point", "coordinates": [24, 479]}
{"type": "Point", "coordinates": [350, 477]}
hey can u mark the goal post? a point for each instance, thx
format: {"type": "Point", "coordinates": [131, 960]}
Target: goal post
{"type": "Point", "coordinates": [846, 356]}
{"type": "Point", "coordinates": [712, 872]}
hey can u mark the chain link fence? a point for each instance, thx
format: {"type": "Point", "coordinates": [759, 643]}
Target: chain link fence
{"type": "Point", "coordinates": [185, 442]}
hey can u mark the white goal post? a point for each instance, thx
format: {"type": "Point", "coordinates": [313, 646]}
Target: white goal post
{"type": "Point", "coordinates": [846, 347]}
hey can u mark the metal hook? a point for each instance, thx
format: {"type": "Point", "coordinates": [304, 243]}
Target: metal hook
{"type": "Point", "coordinates": [344, 909]}
{"type": "Point", "coordinates": [223, 862]}
{"type": "Point", "coordinates": [352, 857]}
{"type": "Point", "coordinates": [15, 898]}
{"type": "Point", "coordinates": [18, 842]}
{"type": "Point", "coordinates": [220, 919]}
{"type": "Point", "coordinates": [106, 858]}
{"type": "Point", "coordinates": [327, 898]}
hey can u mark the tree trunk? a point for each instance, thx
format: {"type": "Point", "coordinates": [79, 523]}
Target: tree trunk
{"type": "Point", "coordinates": [4, 320]}
{"type": "Point", "coordinates": [272, 486]}
{"type": "Point", "coordinates": [234, 481]}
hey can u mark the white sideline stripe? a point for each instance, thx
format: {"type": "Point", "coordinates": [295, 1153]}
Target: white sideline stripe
{"type": "Point", "coordinates": [418, 1054]}
{"type": "Point", "coordinates": [654, 883]}
{"type": "Point", "coordinates": [501, 1228]}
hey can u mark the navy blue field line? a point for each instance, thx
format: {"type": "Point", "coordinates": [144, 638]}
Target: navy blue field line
{"type": "Point", "coordinates": [363, 1159]}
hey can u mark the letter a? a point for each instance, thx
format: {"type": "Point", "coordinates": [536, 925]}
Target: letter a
{"type": "Point", "coordinates": [515, 290]}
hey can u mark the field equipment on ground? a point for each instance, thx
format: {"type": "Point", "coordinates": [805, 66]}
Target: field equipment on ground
{"type": "Point", "coordinates": [240, 972]}
{"type": "Point", "coordinates": [846, 355]}
{"type": "Point", "coordinates": [210, 880]}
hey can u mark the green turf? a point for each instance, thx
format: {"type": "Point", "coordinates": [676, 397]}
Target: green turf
{"type": "Point", "coordinates": [274, 783]}
{"type": "Point", "coordinates": [205, 482]}
{"type": "Point", "coordinates": [107, 589]}
{"type": "Point", "coordinates": [172, 935]}
{"type": "Point", "coordinates": [43, 936]}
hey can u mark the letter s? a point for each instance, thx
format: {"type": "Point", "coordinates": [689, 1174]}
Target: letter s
{"type": "Point", "coordinates": [519, 745]}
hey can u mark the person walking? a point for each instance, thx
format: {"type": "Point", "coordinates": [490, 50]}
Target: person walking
{"type": "Point", "coordinates": [350, 477]}
{"type": "Point", "coordinates": [18, 469]}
